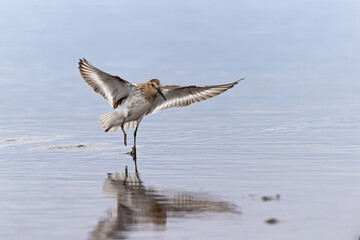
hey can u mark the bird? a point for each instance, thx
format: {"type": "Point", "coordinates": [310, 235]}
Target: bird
{"type": "Point", "coordinates": [131, 102]}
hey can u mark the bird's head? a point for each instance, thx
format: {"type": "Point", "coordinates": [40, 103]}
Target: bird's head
{"type": "Point", "coordinates": [155, 87]}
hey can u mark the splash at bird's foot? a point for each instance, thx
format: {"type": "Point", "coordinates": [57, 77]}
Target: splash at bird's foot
{"type": "Point", "coordinates": [133, 153]}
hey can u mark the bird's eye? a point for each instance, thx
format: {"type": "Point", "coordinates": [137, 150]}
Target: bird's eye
{"type": "Point", "coordinates": [152, 85]}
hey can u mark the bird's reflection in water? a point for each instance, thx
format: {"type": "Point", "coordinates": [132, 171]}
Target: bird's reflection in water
{"type": "Point", "coordinates": [139, 207]}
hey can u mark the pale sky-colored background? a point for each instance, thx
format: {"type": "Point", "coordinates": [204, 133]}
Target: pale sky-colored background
{"type": "Point", "coordinates": [291, 127]}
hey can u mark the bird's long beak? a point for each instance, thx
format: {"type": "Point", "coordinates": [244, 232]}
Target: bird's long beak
{"type": "Point", "coordinates": [161, 93]}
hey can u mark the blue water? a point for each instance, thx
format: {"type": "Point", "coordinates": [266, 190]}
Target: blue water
{"type": "Point", "coordinates": [289, 129]}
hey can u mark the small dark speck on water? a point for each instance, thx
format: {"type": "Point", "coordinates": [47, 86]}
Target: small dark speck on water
{"type": "Point", "coordinates": [272, 221]}
{"type": "Point", "coordinates": [271, 198]}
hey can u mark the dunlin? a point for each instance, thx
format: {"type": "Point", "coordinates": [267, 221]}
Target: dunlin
{"type": "Point", "coordinates": [133, 101]}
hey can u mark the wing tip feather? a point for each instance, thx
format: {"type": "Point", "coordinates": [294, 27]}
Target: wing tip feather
{"type": "Point", "coordinates": [239, 80]}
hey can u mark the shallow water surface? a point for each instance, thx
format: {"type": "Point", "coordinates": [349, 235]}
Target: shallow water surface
{"type": "Point", "coordinates": [276, 157]}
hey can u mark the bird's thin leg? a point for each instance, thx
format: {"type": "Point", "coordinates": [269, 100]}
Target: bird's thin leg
{"type": "Point", "coordinates": [133, 152]}
{"type": "Point", "coordinates": [122, 128]}
{"type": "Point", "coordinates": [137, 126]}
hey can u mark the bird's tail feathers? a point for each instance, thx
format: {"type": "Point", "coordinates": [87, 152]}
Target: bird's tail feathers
{"type": "Point", "coordinates": [111, 120]}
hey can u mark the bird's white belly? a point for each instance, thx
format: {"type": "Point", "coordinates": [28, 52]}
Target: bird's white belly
{"type": "Point", "coordinates": [134, 107]}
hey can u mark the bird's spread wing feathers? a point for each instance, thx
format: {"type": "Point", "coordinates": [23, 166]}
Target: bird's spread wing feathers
{"type": "Point", "coordinates": [113, 88]}
{"type": "Point", "coordinates": [178, 96]}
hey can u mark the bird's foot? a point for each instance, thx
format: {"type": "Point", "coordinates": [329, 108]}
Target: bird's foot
{"type": "Point", "coordinates": [133, 153]}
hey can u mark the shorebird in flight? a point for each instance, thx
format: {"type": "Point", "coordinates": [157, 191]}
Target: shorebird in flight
{"type": "Point", "coordinates": [133, 101]}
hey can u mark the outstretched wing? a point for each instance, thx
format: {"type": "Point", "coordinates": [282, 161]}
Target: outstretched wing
{"type": "Point", "coordinates": [113, 88]}
{"type": "Point", "coordinates": [178, 96]}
